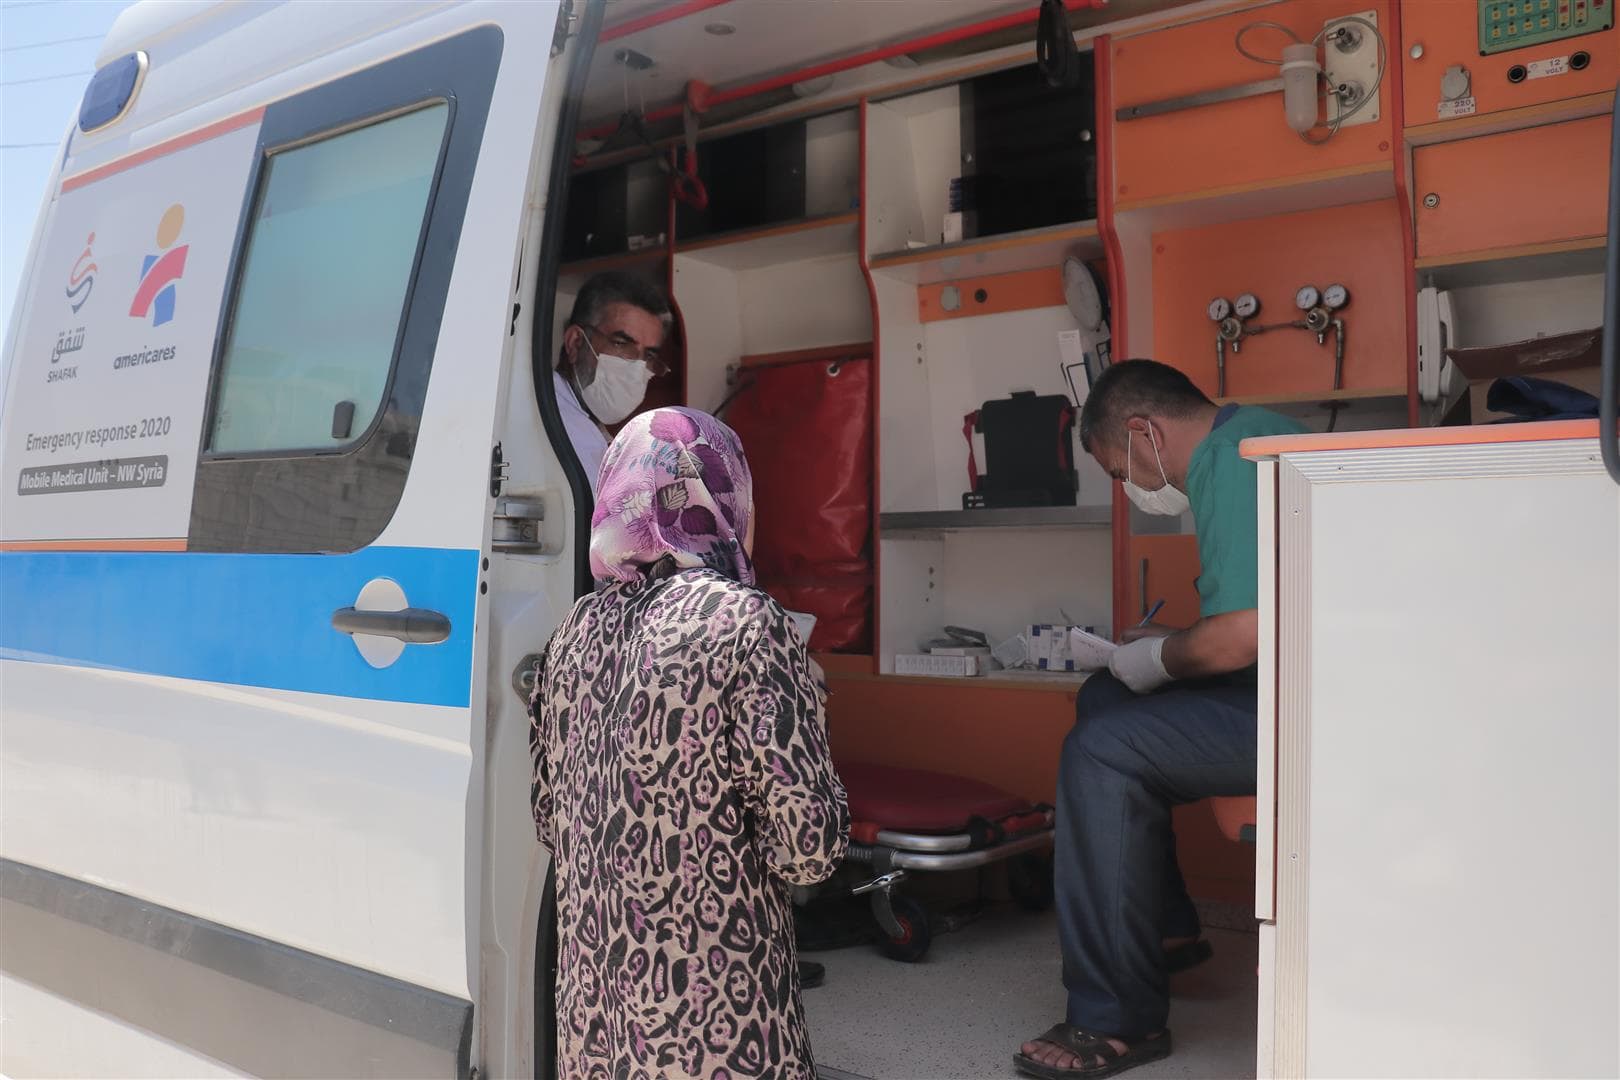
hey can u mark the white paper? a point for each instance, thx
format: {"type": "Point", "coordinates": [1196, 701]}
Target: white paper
{"type": "Point", "coordinates": [805, 623]}
{"type": "Point", "coordinates": [1089, 652]}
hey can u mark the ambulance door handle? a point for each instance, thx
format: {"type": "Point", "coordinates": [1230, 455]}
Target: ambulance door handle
{"type": "Point", "coordinates": [414, 626]}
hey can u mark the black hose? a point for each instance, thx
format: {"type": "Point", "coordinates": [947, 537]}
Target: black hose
{"type": "Point", "coordinates": [1609, 406]}
{"type": "Point", "coordinates": [545, 300]}
{"type": "Point", "coordinates": [1055, 49]}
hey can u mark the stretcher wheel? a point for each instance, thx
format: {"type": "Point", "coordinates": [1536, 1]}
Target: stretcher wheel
{"type": "Point", "coordinates": [913, 918]}
{"type": "Point", "coordinates": [1029, 880]}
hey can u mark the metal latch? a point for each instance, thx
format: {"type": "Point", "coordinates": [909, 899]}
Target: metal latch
{"type": "Point", "coordinates": [563, 29]}
{"type": "Point", "coordinates": [517, 525]}
{"type": "Point", "coordinates": [525, 675]}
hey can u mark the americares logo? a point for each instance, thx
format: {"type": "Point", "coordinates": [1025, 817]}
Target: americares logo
{"type": "Point", "coordinates": [161, 273]}
{"type": "Point", "coordinates": [83, 277]}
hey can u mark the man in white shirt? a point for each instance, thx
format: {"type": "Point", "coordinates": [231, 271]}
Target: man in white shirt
{"type": "Point", "coordinates": [610, 349]}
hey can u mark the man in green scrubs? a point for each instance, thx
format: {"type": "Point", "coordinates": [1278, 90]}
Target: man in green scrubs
{"type": "Point", "coordinates": [1172, 721]}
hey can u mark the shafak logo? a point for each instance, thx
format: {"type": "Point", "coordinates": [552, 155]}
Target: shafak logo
{"type": "Point", "coordinates": [82, 279]}
{"type": "Point", "coordinates": [160, 273]}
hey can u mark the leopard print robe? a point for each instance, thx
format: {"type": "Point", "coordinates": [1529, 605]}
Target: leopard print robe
{"type": "Point", "coordinates": [683, 783]}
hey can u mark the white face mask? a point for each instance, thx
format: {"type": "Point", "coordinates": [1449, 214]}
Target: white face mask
{"type": "Point", "coordinates": [1168, 500]}
{"type": "Point", "coordinates": [618, 388]}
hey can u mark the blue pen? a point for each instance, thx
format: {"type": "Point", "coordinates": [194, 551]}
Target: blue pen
{"type": "Point", "coordinates": [1149, 616]}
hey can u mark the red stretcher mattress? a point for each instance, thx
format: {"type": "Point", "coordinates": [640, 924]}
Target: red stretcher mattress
{"type": "Point", "coordinates": [917, 801]}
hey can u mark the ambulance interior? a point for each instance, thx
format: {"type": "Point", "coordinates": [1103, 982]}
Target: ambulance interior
{"type": "Point", "coordinates": [879, 222]}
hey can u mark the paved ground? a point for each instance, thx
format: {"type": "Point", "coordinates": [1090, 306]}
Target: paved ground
{"type": "Point", "coordinates": [962, 1012]}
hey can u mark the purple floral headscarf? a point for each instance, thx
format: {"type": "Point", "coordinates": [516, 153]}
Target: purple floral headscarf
{"type": "Point", "coordinates": [674, 486]}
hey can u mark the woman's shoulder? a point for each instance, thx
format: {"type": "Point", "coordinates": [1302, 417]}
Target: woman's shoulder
{"type": "Point", "coordinates": [723, 601]}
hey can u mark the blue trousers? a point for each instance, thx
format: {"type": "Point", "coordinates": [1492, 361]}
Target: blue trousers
{"type": "Point", "coordinates": [1127, 761]}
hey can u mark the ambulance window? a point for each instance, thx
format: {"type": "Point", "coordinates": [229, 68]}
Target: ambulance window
{"type": "Point", "coordinates": [333, 238]}
{"type": "Point", "coordinates": [340, 278]}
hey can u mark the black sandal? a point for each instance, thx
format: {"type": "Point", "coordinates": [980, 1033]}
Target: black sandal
{"type": "Point", "coordinates": [1090, 1048]}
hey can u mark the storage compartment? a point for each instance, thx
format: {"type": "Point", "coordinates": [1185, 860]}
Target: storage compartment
{"type": "Point", "coordinates": [769, 176]}
{"type": "Point", "coordinates": [1536, 186]}
{"type": "Point", "coordinates": [1241, 143]}
{"type": "Point", "coordinates": [1021, 155]}
{"type": "Point", "coordinates": [1031, 157]}
{"type": "Point", "coordinates": [614, 209]}
{"type": "Point", "coordinates": [1486, 316]}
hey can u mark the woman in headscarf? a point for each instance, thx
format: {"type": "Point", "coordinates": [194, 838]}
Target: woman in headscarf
{"type": "Point", "coordinates": [682, 779]}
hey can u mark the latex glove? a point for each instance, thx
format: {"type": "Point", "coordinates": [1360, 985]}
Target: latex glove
{"type": "Point", "coordinates": [1140, 665]}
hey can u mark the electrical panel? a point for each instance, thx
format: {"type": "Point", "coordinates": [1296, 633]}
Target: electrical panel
{"type": "Point", "coordinates": [1516, 24]}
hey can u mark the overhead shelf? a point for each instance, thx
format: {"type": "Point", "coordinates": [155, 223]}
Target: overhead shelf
{"type": "Point", "coordinates": [1032, 249]}
{"type": "Point", "coordinates": [630, 260]}
{"type": "Point", "coordinates": [1527, 262]}
{"type": "Point", "coordinates": [922, 522]}
{"type": "Point", "coordinates": [1313, 397]}
{"type": "Point", "coordinates": [1347, 186]}
{"type": "Point", "coordinates": [794, 241]}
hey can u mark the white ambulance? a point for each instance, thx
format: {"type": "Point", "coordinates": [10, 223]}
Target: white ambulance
{"type": "Point", "coordinates": [287, 504]}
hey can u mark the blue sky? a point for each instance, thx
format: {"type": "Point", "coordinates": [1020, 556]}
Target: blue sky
{"type": "Point", "coordinates": [47, 54]}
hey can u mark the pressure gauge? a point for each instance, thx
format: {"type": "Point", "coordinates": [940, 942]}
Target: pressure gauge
{"type": "Point", "coordinates": [1219, 308]}
{"type": "Point", "coordinates": [1335, 297]}
{"type": "Point", "coordinates": [1307, 297]}
{"type": "Point", "coordinates": [1247, 306]}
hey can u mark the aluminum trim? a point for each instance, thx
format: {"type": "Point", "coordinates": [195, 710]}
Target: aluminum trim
{"type": "Point", "coordinates": [417, 1012]}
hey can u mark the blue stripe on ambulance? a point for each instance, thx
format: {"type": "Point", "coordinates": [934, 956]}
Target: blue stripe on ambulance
{"type": "Point", "coordinates": [244, 620]}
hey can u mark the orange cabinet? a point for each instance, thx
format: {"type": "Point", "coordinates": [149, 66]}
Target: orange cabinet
{"type": "Point", "coordinates": [1164, 568]}
{"type": "Point", "coordinates": [1234, 143]}
{"type": "Point", "coordinates": [1445, 33]}
{"type": "Point", "coordinates": [1359, 247]}
{"type": "Point", "coordinates": [1535, 186]}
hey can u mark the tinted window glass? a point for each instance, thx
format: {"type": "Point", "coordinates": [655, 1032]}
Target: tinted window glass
{"type": "Point", "coordinates": [326, 272]}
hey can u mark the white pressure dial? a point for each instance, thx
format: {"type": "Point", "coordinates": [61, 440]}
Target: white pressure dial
{"type": "Point", "coordinates": [1219, 308]}
{"type": "Point", "coordinates": [1307, 297]}
{"type": "Point", "coordinates": [1335, 297]}
{"type": "Point", "coordinates": [1247, 306]}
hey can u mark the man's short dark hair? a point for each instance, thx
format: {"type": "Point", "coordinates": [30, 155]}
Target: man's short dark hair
{"type": "Point", "coordinates": [1136, 388]}
{"type": "Point", "coordinates": [611, 287]}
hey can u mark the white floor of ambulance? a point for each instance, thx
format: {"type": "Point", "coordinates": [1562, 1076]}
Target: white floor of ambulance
{"type": "Point", "coordinates": [964, 1010]}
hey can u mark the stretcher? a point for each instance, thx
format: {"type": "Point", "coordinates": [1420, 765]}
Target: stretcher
{"type": "Point", "coordinates": [905, 821]}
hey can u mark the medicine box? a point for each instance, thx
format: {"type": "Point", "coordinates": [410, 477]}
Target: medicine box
{"type": "Point", "coordinates": [1049, 647]}
{"type": "Point", "coordinates": [958, 667]}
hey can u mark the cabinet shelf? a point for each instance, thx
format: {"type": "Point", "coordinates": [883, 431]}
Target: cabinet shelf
{"type": "Point", "coordinates": [1491, 123]}
{"type": "Point", "coordinates": [580, 269]}
{"type": "Point", "coordinates": [923, 522]}
{"type": "Point", "coordinates": [773, 245]}
{"type": "Point", "coordinates": [1050, 682]}
{"type": "Point", "coordinates": [1032, 249]}
{"type": "Point", "coordinates": [1367, 182]}
{"type": "Point", "coordinates": [1310, 397]}
{"type": "Point", "coordinates": [1526, 262]}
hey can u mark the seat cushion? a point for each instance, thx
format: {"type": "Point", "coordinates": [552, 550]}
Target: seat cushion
{"type": "Point", "coordinates": [915, 800]}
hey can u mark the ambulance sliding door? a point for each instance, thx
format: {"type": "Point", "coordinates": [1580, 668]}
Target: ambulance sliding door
{"type": "Point", "coordinates": [243, 575]}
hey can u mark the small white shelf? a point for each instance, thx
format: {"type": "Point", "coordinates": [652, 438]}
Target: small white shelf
{"type": "Point", "coordinates": [776, 245]}
{"type": "Point", "coordinates": [900, 524]}
{"type": "Point", "coordinates": [1032, 249]}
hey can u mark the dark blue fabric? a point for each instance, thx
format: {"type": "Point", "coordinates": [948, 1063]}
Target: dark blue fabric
{"type": "Point", "coordinates": [1127, 761]}
{"type": "Point", "coordinates": [1225, 413]}
{"type": "Point", "coordinates": [1529, 398]}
